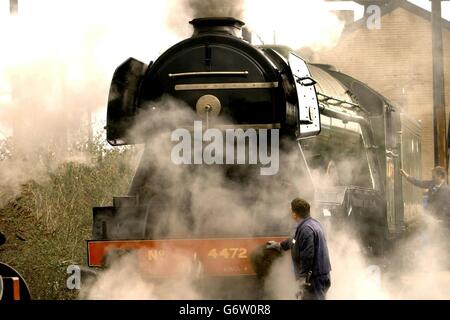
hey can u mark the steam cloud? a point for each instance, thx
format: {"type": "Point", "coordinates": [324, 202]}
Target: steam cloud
{"type": "Point", "coordinates": [56, 64]}
{"type": "Point", "coordinates": [217, 8]}
{"type": "Point", "coordinates": [124, 281]}
{"type": "Point", "coordinates": [294, 23]}
{"type": "Point", "coordinates": [414, 270]}
{"type": "Point", "coordinates": [180, 198]}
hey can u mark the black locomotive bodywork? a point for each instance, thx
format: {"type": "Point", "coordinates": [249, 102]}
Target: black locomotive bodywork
{"type": "Point", "coordinates": [326, 116]}
{"type": "Point", "coordinates": [251, 84]}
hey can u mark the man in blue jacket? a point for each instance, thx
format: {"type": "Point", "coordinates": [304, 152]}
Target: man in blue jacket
{"type": "Point", "coordinates": [438, 195]}
{"type": "Point", "coordinates": [309, 253]}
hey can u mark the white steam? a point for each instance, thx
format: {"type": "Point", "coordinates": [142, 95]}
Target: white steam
{"type": "Point", "coordinates": [56, 63]}
{"type": "Point", "coordinates": [415, 269]}
{"type": "Point", "coordinates": [206, 202]}
{"type": "Point", "coordinates": [294, 23]}
{"type": "Point", "coordinates": [124, 280]}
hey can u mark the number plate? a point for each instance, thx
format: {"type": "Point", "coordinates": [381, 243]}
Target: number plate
{"type": "Point", "coordinates": [161, 258]}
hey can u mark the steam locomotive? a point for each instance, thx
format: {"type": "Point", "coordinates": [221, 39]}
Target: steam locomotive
{"type": "Point", "coordinates": [332, 126]}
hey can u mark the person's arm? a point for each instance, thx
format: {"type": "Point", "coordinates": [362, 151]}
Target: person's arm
{"type": "Point", "coordinates": [286, 244]}
{"type": "Point", "coordinates": [424, 184]}
{"type": "Point", "coordinates": [279, 246]}
{"type": "Point", "coordinates": [306, 251]}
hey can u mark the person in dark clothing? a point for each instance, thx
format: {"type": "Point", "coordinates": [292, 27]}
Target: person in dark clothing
{"type": "Point", "coordinates": [438, 203]}
{"type": "Point", "coordinates": [309, 252]}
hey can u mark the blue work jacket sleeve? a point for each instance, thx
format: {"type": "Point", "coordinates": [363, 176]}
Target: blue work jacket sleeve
{"type": "Point", "coordinates": [306, 250]}
{"type": "Point", "coordinates": [424, 184]}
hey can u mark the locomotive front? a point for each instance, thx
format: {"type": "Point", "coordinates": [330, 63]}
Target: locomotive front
{"type": "Point", "coordinates": [226, 83]}
{"type": "Point", "coordinates": [216, 72]}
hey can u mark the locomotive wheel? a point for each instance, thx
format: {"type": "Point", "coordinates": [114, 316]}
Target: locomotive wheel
{"type": "Point", "coordinates": [7, 290]}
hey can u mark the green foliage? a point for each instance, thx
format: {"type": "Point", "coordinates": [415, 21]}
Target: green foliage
{"type": "Point", "coordinates": [48, 222]}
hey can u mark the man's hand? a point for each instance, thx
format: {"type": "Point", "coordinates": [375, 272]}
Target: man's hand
{"type": "Point", "coordinates": [273, 245]}
{"type": "Point", "coordinates": [403, 172]}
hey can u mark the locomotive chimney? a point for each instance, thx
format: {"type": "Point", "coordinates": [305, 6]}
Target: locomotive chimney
{"type": "Point", "coordinates": [222, 25]}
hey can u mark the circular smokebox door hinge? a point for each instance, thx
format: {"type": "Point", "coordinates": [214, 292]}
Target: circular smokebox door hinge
{"type": "Point", "coordinates": [208, 105]}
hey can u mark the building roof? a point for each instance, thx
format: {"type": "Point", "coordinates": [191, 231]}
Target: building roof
{"type": "Point", "coordinates": [391, 6]}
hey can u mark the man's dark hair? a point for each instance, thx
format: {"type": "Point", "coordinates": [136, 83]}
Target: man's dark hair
{"type": "Point", "coordinates": [440, 171]}
{"type": "Point", "coordinates": [300, 207]}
